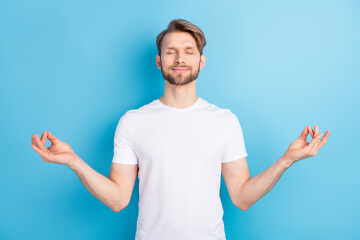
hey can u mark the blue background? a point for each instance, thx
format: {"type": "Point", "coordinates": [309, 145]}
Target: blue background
{"type": "Point", "coordinates": [74, 68]}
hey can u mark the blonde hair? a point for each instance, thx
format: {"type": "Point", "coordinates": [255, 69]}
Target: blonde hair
{"type": "Point", "coordinates": [181, 25]}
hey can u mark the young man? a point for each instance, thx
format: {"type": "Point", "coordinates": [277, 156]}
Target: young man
{"type": "Point", "coordinates": [180, 143]}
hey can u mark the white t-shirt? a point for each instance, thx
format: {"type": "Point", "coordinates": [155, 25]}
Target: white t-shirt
{"type": "Point", "coordinates": [179, 152]}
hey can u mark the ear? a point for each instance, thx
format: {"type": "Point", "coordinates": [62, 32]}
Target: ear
{"type": "Point", "coordinates": [202, 61]}
{"type": "Point", "coordinates": [158, 61]}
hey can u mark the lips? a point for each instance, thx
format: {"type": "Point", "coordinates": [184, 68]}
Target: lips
{"type": "Point", "coordinates": [180, 70]}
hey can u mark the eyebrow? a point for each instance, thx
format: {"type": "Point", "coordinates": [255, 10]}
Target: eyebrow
{"type": "Point", "coordinates": [188, 47]}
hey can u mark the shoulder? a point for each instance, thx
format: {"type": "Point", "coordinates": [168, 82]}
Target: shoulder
{"type": "Point", "coordinates": [225, 114]}
{"type": "Point", "coordinates": [145, 109]}
{"type": "Point", "coordinates": [213, 108]}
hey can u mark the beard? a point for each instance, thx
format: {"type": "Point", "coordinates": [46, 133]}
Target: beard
{"type": "Point", "coordinates": [180, 78]}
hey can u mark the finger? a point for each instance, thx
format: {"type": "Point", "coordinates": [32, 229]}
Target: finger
{"type": "Point", "coordinates": [314, 141]}
{"type": "Point", "coordinates": [43, 137]}
{"type": "Point", "coordinates": [315, 147]}
{"type": "Point", "coordinates": [304, 133]}
{"type": "Point", "coordinates": [53, 139]}
{"type": "Point", "coordinates": [33, 139]}
{"type": "Point", "coordinates": [316, 128]}
{"type": "Point", "coordinates": [41, 153]}
{"type": "Point", "coordinates": [39, 144]}
{"type": "Point", "coordinates": [323, 140]}
{"type": "Point", "coordinates": [311, 131]}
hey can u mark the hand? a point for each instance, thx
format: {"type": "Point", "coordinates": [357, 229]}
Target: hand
{"type": "Point", "coordinates": [300, 149]}
{"type": "Point", "coordinates": [59, 152]}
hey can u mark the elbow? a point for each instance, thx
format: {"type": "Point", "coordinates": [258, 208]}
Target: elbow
{"type": "Point", "coordinates": [242, 207]}
{"type": "Point", "coordinates": [118, 208]}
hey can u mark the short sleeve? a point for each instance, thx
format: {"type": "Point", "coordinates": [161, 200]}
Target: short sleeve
{"type": "Point", "coordinates": [123, 149]}
{"type": "Point", "coordinates": [235, 148]}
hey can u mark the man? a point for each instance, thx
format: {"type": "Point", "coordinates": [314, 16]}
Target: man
{"type": "Point", "coordinates": [179, 145]}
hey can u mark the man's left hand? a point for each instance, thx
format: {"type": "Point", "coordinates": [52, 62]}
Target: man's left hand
{"type": "Point", "coordinates": [300, 149]}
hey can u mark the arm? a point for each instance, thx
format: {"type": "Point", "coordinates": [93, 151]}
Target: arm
{"type": "Point", "coordinates": [245, 191]}
{"type": "Point", "coordinates": [101, 187]}
{"type": "Point", "coordinates": [256, 187]}
{"type": "Point", "coordinates": [114, 192]}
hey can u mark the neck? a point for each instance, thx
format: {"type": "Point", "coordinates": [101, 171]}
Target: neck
{"type": "Point", "coordinates": [179, 96]}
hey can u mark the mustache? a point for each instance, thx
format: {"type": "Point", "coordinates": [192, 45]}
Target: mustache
{"type": "Point", "coordinates": [180, 67]}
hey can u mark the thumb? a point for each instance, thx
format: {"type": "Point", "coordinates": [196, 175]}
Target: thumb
{"type": "Point", "coordinates": [304, 133]}
{"type": "Point", "coordinates": [52, 138]}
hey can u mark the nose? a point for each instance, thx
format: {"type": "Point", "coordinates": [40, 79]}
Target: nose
{"type": "Point", "coordinates": [179, 59]}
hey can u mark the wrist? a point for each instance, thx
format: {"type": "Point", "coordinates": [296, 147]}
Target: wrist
{"type": "Point", "coordinates": [74, 163]}
{"type": "Point", "coordinates": [285, 161]}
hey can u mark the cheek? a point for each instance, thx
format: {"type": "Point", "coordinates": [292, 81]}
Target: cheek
{"type": "Point", "coordinates": [166, 62]}
{"type": "Point", "coordinates": [195, 61]}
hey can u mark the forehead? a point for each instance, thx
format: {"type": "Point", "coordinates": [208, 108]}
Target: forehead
{"type": "Point", "coordinates": [178, 40]}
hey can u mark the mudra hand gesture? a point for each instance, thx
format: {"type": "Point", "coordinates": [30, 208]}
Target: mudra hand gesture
{"type": "Point", "coordinates": [59, 152]}
{"type": "Point", "coordinates": [300, 149]}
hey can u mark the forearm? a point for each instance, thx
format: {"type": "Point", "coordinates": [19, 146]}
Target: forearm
{"type": "Point", "coordinates": [101, 187]}
{"type": "Point", "coordinates": [256, 187]}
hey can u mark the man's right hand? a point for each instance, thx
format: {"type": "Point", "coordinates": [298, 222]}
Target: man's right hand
{"type": "Point", "coordinates": [59, 152]}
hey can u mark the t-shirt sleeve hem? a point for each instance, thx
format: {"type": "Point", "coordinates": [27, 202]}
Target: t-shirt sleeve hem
{"type": "Point", "coordinates": [234, 158]}
{"type": "Point", "coordinates": [124, 160]}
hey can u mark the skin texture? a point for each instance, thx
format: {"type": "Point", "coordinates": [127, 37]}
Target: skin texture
{"type": "Point", "coordinates": [179, 50]}
{"type": "Point", "coordinates": [244, 191]}
{"type": "Point", "coordinates": [112, 193]}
